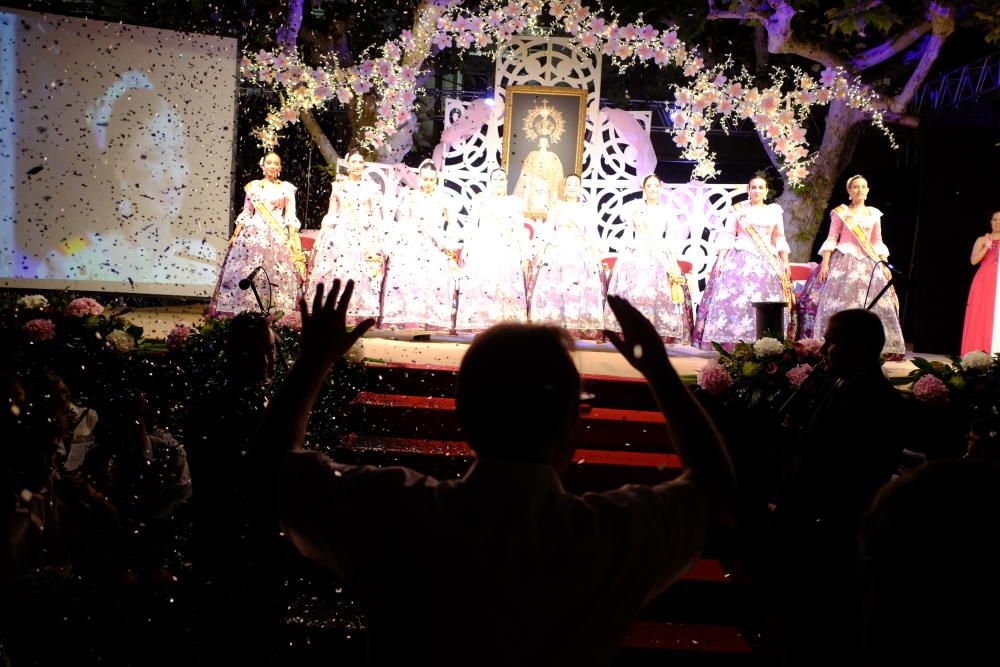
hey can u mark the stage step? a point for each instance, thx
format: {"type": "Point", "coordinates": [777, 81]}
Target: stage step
{"type": "Point", "coordinates": [435, 418]}
{"type": "Point", "coordinates": [591, 470]}
{"type": "Point", "coordinates": [439, 382]}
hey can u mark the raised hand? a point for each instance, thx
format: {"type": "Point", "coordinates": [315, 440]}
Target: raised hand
{"type": "Point", "coordinates": [639, 342]}
{"type": "Point", "coordinates": [325, 337]}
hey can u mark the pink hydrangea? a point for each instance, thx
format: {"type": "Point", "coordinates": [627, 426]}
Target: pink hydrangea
{"type": "Point", "coordinates": [714, 379]}
{"type": "Point", "coordinates": [930, 389]}
{"type": "Point", "coordinates": [178, 336]}
{"type": "Point", "coordinates": [83, 307]}
{"type": "Point", "coordinates": [39, 330]}
{"type": "Point", "coordinates": [292, 319]}
{"type": "Point", "coordinates": [797, 375]}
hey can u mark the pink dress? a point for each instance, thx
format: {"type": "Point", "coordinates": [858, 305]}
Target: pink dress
{"type": "Point", "coordinates": [259, 244]}
{"type": "Point", "coordinates": [977, 334]}
{"type": "Point", "coordinates": [853, 280]}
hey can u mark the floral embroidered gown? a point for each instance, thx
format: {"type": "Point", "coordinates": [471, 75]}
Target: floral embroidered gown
{"type": "Point", "coordinates": [567, 290]}
{"type": "Point", "coordinates": [977, 333]}
{"type": "Point", "coordinates": [350, 245]}
{"type": "Point", "coordinates": [420, 277]}
{"type": "Point", "coordinates": [260, 244]}
{"type": "Point", "coordinates": [846, 285]}
{"type": "Point", "coordinates": [493, 287]}
{"type": "Point", "coordinates": [741, 276]}
{"type": "Point", "coordinates": [646, 271]}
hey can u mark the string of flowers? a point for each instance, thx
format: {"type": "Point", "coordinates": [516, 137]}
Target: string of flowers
{"type": "Point", "coordinates": [712, 97]}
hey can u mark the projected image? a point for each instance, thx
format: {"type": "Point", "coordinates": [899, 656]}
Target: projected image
{"type": "Point", "coordinates": [121, 176]}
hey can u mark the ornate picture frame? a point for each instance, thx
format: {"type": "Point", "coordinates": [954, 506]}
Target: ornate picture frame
{"type": "Point", "coordinates": [543, 137]}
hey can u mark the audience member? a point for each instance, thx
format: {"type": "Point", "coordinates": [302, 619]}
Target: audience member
{"type": "Point", "coordinates": [231, 555]}
{"type": "Point", "coordinates": [502, 566]}
{"type": "Point", "coordinates": [983, 443]}
{"type": "Point", "coordinates": [928, 549]}
{"type": "Point", "coordinates": [848, 447]}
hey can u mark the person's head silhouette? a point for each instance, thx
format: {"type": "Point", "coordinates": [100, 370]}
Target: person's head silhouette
{"type": "Point", "coordinates": [518, 394]}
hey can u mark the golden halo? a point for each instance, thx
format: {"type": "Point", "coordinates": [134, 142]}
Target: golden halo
{"type": "Point", "coordinates": [544, 121]}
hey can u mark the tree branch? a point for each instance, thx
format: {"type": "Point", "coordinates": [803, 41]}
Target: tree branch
{"type": "Point", "coordinates": [890, 47]}
{"type": "Point", "coordinates": [780, 36]}
{"type": "Point", "coordinates": [942, 20]}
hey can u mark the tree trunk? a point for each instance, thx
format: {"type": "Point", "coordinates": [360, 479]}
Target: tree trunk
{"type": "Point", "coordinates": [804, 209]}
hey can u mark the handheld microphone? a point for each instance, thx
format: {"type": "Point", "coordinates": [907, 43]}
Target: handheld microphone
{"type": "Point", "coordinates": [246, 282]}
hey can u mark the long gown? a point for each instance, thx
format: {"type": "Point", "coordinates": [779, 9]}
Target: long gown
{"type": "Point", "coordinates": [647, 260]}
{"type": "Point", "coordinates": [726, 314]}
{"type": "Point", "coordinates": [420, 277]}
{"type": "Point", "coordinates": [977, 334]}
{"type": "Point", "coordinates": [260, 244]}
{"type": "Point", "coordinates": [351, 239]}
{"type": "Point", "coordinates": [567, 287]}
{"type": "Point", "coordinates": [493, 283]}
{"type": "Point", "coordinates": [847, 284]}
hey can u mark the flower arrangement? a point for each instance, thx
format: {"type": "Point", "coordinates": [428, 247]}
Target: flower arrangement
{"type": "Point", "coordinates": [762, 373]}
{"type": "Point", "coordinates": [971, 382]}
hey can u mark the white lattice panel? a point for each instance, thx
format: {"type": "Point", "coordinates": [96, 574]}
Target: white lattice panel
{"type": "Point", "coordinates": [610, 177]}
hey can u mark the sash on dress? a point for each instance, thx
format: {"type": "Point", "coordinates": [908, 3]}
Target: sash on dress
{"type": "Point", "coordinates": [773, 262]}
{"type": "Point", "coordinates": [293, 241]}
{"type": "Point", "coordinates": [845, 214]}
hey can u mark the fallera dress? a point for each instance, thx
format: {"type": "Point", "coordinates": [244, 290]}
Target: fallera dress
{"type": "Point", "coordinates": [421, 273]}
{"type": "Point", "coordinates": [851, 269]}
{"type": "Point", "coordinates": [646, 271]}
{"type": "Point", "coordinates": [742, 275]}
{"type": "Point", "coordinates": [568, 272]}
{"type": "Point", "coordinates": [260, 243]}
{"type": "Point", "coordinates": [351, 245]}
{"type": "Point", "coordinates": [493, 277]}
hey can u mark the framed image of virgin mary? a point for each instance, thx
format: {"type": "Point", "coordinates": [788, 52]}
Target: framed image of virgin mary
{"type": "Point", "coordinates": [543, 141]}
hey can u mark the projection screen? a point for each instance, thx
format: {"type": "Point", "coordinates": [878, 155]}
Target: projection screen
{"type": "Point", "coordinates": [116, 155]}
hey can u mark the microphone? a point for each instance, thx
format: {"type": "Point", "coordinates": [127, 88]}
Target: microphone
{"type": "Point", "coordinates": [893, 269]}
{"type": "Point", "coordinates": [246, 282]}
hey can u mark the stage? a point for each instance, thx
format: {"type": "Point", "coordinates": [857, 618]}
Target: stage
{"type": "Point", "coordinates": [431, 349]}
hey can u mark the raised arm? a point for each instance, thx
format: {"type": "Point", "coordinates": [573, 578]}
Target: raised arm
{"type": "Point", "coordinates": [325, 339]}
{"type": "Point", "coordinates": [692, 432]}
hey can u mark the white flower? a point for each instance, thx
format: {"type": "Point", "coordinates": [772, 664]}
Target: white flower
{"type": "Point", "coordinates": [121, 341]}
{"type": "Point", "coordinates": [356, 354]}
{"type": "Point", "coordinates": [977, 360]}
{"type": "Point", "coordinates": [33, 302]}
{"type": "Point", "coordinates": [768, 347]}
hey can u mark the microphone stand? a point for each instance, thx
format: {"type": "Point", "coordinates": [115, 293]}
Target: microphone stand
{"type": "Point", "coordinates": [888, 283]}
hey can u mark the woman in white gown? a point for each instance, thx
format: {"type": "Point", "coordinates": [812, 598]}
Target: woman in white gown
{"type": "Point", "coordinates": [493, 286]}
{"type": "Point", "coordinates": [264, 237]}
{"type": "Point", "coordinates": [351, 241]}
{"type": "Point", "coordinates": [567, 290]}
{"type": "Point", "coordinates": [646, 271]}
{"type": "Point", "coordinates": [423, 260]}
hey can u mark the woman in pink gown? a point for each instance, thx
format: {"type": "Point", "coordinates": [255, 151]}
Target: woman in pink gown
{"type": "Point", "coordinates": [265, 236]}
{"type": "Point", "coordinates": [977, 334]}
